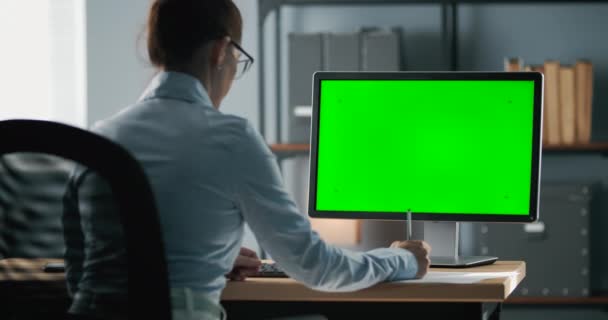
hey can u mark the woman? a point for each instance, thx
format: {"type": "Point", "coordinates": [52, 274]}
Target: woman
{"type": "Point", "coordinates": [212, 172]}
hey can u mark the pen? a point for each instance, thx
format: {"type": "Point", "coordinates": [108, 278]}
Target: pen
{"type": "Point", "coordinates": [408, 236]}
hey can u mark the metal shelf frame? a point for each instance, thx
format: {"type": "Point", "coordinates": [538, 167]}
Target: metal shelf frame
{"type": "Point", "coordinates": [449, 23]}
{"type": "Point", "coordinates": [449, 37]}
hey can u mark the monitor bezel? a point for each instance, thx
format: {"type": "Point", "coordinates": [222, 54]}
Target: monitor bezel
{"type": "Point", "coordinates": [429, 216]}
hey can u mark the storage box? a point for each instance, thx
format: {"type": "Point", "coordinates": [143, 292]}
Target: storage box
{"type": "Point", "coordinates": [556, 249]}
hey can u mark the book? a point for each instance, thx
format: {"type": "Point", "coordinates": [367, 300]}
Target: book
{"type": "Point", "coordinates": [552, 101]}
{"type": "Point", "coordinates": [305, 58]}
{"type": "Point", "coordinates": [514, 64]}
{"type": "Point", "coordinates": [568, 108]}
{"type": "Point", "coordinates": [341, 52]}
{"type": "Point", "coordinates": [583, 70]}
{"type": "Point", "coordinates": [588, 102]}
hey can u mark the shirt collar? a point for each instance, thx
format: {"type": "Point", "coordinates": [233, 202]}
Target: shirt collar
{"type": "Point", "coordinates": [178, 86]}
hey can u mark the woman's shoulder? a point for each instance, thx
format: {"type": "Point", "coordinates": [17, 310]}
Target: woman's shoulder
{"type": "Point", "coordinates": [240, 133]}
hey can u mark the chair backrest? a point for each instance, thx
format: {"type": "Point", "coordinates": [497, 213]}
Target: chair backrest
{"type": "Point", "coordinates": [31, 190]}
{"type": "Point", "coordinates": [147, 270]}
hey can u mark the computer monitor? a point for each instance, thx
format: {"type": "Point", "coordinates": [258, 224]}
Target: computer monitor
{"type": "Point", "coordinates": [445, 146]}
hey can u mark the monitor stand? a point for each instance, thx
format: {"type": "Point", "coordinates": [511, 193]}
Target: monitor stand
{"type": "Point", "coordinates": [444, 238]}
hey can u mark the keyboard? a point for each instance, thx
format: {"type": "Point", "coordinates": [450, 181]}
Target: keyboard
{"type": "Point", "coordinates": [270, 270]}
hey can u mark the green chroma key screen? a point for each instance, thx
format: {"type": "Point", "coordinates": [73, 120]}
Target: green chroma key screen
{"type": "Point", "coordinates": [434, 146]}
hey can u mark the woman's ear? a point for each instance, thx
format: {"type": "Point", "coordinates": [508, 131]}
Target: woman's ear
{"type": "Point", "coordinates": [219, 51]}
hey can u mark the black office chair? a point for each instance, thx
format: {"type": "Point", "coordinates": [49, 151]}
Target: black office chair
{"type": "Point", "coordinates": [148, 287]}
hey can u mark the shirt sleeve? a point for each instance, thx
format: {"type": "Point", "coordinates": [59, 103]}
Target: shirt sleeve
{"type": "Point", "coordinates": [287, 235]}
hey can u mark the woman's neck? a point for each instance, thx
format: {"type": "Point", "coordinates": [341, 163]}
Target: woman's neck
{"type": "Point", "coordinates": [198, 73]}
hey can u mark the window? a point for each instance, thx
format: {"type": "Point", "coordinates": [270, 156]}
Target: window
{"type": "Point", "coordinates": [42, 60]}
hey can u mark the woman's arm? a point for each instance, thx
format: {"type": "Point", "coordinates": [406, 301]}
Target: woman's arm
{"type": "Point", "coordinates": [287, 235]}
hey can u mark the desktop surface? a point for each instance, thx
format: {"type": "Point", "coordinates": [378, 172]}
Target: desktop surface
{"type": "Point", "coordinates": [263, 298]}
{"type": "Point", "coordinates": [287, 289]}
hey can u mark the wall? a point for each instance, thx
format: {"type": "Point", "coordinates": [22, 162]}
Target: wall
{"type": "Point", "coordinates": [118, 69]}
{"type": "Point", "coordinates": [117, 65]}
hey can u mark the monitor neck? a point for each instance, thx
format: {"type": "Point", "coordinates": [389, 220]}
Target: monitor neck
{"type": "Point", "coordinates": [443, 236]}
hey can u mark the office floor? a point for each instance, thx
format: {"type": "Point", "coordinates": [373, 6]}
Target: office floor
{"type": "Point", "coordinates": [569, 313]}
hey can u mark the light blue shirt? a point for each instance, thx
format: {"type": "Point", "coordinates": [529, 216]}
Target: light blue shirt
{"type": "Point", "coordinates": [211, 173]}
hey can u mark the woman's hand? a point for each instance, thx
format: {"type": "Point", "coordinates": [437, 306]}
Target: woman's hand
{"type": "Point", "coordinates": [421, 251]}
{"type": "Point", "coordinates": [246, 264]}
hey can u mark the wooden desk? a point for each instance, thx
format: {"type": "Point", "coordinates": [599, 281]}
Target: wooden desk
{"type": "Point", "coordinates": [27, 292]}
{"type": "Point", "coordinates": [271, 297]}
{"type": "Point", "coordinates": [22, 281]}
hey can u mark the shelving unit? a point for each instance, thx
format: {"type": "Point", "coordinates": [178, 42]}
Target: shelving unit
{"type": "Point", "coordinates": [571, 301]}
{"type": "Point", "coordinates": [287, 150]}
{"type": "Point", "coordinates": [593, 147]}
{"type": "Point", "coordinates": [449, 36]}
{"type": "Point", "coordinates": [449, 39]}
{"type": "Point", "coordinates": [449, 31]}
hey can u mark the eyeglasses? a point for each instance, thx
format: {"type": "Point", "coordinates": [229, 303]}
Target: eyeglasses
{"type": "Point", "coordinates": [242, 65]}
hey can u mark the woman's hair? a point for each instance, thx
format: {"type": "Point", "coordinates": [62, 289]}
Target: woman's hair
{"type": "Point", "coordinates": [177, 28]}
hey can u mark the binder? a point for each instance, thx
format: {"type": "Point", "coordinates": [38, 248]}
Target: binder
{"type": "Point", "coordinates": [380, 51]}
{"type": "Point", "coordinates": [342, 52]}
{"type": "Point", "coordinates": [305, 58]}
